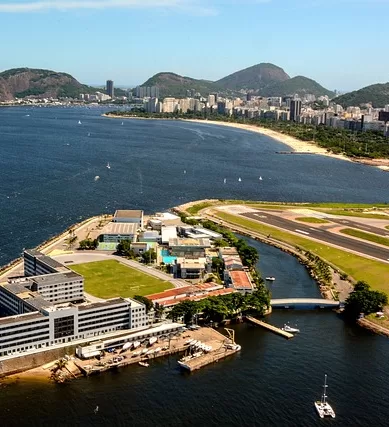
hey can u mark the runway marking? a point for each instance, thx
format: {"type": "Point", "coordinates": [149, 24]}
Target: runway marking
{"type": "Point", "coordinates": [303, 232]}
{"type": "Point", "coordinates": [260, 216]}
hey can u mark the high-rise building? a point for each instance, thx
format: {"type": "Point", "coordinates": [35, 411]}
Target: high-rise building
{"type": "Point", "coordinates": [110, 89]}
{"type": "Point", "coordinates": [295, 109]}
{"type": "Point", "coordinates": [147, 91]}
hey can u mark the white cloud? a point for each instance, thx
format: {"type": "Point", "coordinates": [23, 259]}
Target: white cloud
{"type": "Point", "coordinates": [66, 5]}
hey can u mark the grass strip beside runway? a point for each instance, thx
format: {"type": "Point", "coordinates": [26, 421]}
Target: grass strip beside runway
{"type": "Point", "coordinates": [360, 268]}
{"type": "Point", "coordinates": [366, 236]}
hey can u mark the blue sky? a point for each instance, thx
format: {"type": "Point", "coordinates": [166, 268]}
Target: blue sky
{"type": "Point", "coordinates": [339, 43]}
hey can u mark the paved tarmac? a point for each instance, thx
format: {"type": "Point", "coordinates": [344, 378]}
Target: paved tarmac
{"type": "Point", "coordinates": [322, 235]}
{"type": "Point", "coordinates": [360, 226]}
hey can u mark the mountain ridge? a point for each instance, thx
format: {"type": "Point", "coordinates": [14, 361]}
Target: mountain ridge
{"type": "Point", "coordinates": [264, 79]}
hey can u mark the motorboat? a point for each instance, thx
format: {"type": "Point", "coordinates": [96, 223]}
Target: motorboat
{"type": "Point", "coordinates": [136, 344]}
{"type": "Point", "coordinates": [136, 353]}
{"type": "Point", "coordinates": [153, 340]}
{"type": "Point", "coordinates": [79, 122]}
{"type": "Point", "coordinates": [127, 346]}
{"type": "Point", "coordinates": [232, 346]}
{"type": "Point", "coordinates": [108, 166]}
{"type": "Point", "coordinates": [144, 364]}
{"type": "Point", "coordinates": [270, 278]}
{"type": "Point", "coordinates": [97, 177]}
{"type": "Point", "coordinates": [323, 408]}
{"type": "Point", "coordinates": [288, 328]}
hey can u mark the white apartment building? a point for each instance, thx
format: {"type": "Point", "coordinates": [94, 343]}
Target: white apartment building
{"type": "Point", "coordinates": [169, 105]}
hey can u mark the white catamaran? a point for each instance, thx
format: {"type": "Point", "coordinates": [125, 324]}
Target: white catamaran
{"type": "Point", "coordinates": [323, 408]}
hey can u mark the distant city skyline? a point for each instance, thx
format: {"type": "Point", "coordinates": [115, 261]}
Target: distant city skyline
{"type": "Point", "coordinates": [338, 43]}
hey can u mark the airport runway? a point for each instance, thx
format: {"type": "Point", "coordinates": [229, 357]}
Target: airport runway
{"type": "Point", "coordinates": [323, 235]}
{"type": "Point", "coordinates": [360, 226]}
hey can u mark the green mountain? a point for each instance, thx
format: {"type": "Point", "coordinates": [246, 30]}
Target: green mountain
{"type": "Point", "coordinates": [263, 79]}
{"type": "Point", "coordinates": [174, 85]}
{"type": "Point", "coordinates": [21, 82]}
{"type": "Point", "coordinates": [257, 77]}
{"type": "Point", "coordinates": [299, 84]}
{"type": "Point", "coordinates": [377, 94]}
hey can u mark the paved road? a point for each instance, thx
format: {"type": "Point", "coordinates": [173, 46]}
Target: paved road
{"type": "Point", "coordinates": [323, 235]}
{"type": "Point", "coordinates": [82, 257]}
{"type": "Point", "coordinates": [359, 226]}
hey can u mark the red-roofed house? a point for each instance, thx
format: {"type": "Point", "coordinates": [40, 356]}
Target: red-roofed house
{"type": "Point", "coordinates": [240, 281]}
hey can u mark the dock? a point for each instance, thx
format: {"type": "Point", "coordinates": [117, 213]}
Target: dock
{"type": "Point", "coordinates": [269, 327]}
{"type": "Point", "coordinates": [171, 346]}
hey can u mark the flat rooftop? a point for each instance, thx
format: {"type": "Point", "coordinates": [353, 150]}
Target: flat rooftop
{"type": "Point", "coordinates": [201, 243]}
{"type": "Point", "coordinates": [26, 317]}
{"type": "Point", "coordinates": [120, 228]}
{"type": "Point", "coordinates": [198, 297]}
{"type": "Point", "coordinates": [128, 213]}
{"type": "Point", "coordinates": [107, 303]}
{"type": "Point", "coordinates": [56, 278]}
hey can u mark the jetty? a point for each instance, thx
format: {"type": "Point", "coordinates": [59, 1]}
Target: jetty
{"type": "Point", "coordinates": [269, 327]}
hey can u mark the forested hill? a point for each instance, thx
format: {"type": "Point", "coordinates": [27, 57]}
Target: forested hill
{"type": "Point", "coordinates": [21, 82]}
{"type": "Point", "coordinates": [377, 94]}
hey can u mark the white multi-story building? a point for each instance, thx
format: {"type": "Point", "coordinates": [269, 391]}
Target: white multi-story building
{"type": "Point", "coordinates": [169, 105]}
{"type": "Point", "coordinates": [45, 310]}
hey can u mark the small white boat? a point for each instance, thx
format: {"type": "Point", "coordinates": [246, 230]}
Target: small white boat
{"type": "Point", "coordinates": [288, 328]}
{"type": "Point", "coordinates": [231, 346]}
{"type": "Point", "coordinates": [260, 178]}
{"type": "Point", "coordinates": [136, 353]}
{"type": "Point", "coordinates": [184, 172]}
{"type": "Point", "coordinates": [88, 133]}
{"type": "Point", "coordinates": [144, 364]}
{"type": "Point", "coordinates": [323, 408]}
{"type": "Point", "coordinates": [158, 349]}
{"type": "Point", "coordinates": [240, 179]}
{"type": "Point", "coordinates": [122, 123]}
{"type": "Point", "coordinates": [97, 177]}
{"type": "Point", "coordinates": [127, 346]}
{"type": "Point", "coordinates": [144, 351]}
{"type": "Point", "coordinates": [136, 344]}
{"type": "Point", "coordinates": [270, 278]}
{"type": "Point", "coordinates": [79, 122]}
{"type": "Point", "coordinates": [108, 166]}
{"type": "Point", "coordinates": [153, 340]}
{"type": "Point", "coordinates": [225, 180]}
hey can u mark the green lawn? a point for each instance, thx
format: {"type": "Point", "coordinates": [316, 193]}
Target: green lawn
{"type": "Point", "coordinates": [311, 220]}
{"type": "Point", "coordinates": [374, 272]}
{"type": "Point", "coordinates": [194, 209]}
{"type": "Point", "coordinates": [366, 236]}
{"type": "Point", "coordinates": [109, 279]}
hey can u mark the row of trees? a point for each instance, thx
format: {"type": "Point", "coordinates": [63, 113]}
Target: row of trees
{"type": "Point", "coordinates": [364, 300]}
{"type": "Point", "coordinates": [219, 308]}
{"type": "Point", "coordinates": [371, 144]}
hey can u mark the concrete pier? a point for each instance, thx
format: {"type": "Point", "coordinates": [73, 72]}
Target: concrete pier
{"type": "Point", "coordinates": [271, 328]}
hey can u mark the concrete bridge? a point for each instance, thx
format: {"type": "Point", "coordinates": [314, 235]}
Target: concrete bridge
{"type": "Point", "coordinates": [304, 303]}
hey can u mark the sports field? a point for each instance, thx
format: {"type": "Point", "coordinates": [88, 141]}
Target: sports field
{"type": "Point", "coordinates": [109, 279]}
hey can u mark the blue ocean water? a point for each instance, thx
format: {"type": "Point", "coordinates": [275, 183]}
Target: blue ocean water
{"type": "Point", "coordinates": [48, 165]}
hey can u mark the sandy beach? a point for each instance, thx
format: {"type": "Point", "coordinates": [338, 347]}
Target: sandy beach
{"type": "Point", "coordinates": [296, 145]}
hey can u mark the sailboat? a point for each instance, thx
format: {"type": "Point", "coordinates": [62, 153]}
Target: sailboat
{"type": "Point", "coordinates": [88, 133]}
{"type": "Point", "coordinates": [108, 166]}
{"type": "Point", "coordinates": [225, 180]}
{"type": "Point", "coordinates": [239, 179]}
{"type": "Point", "coordinates": [260, 178]}
{"type": "Point", "coordinates": [323, 408]}
{"type": "Point", "coordinates": [122, 123]}
{"type": "Point", "coordinates": [79, 122]}
{"type": "Point", "coordinates": [184, 172]}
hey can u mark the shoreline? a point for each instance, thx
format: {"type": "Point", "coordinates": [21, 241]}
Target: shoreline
{"type": "Point", "coordinates": [298, 146]}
